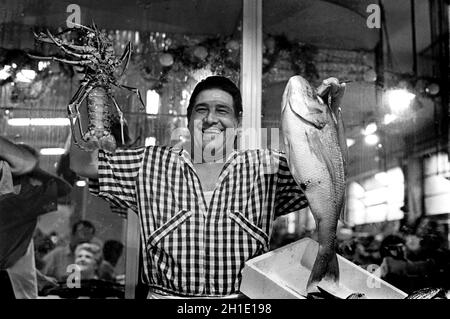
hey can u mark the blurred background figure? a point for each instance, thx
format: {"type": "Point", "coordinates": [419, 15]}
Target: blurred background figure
{"type": "Point", "coordinates": [26, 192]}
{"type": "Point", "coordinates": [57, 260]}
{"type": "Point", "coordinates": [88, 257]}
{"type": "Point", "coordinates": [112, 251]}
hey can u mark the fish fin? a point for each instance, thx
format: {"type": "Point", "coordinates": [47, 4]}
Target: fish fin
{"type": "Point", "coordinates": [332, 92]}
{"type": "Point", "coordinates": [325, 268]}
{"type": "Point", "coordinates": [342, 140]}
{"type": "Point", "coordinates": [318, 149]}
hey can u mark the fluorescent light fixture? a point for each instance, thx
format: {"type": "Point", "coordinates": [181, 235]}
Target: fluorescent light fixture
{"type": "Point", "coordinates": [350, 142]}
{"type": "Point", "coordinates": [25, 76]}
{"type": "Point", "coordinates": [52, 151]}
{"type": "Point", "coordinates": [389, 118]}
{"type": "Point", "coordinates": [150, 141]}
{"type": "Point", "coordinates": [382, 177]}
{"type": "Point", "coordinates": [372, 139]}
{"type": "Point", "coordinates": [370, 129]}
{"type": "Point", "coordinates": [4, 73]}
{"type": "Point", "coordinates": [81, 183]}
{"type": "Point", "coordinates": [40, 121]}
{"type": "Point", "coordinates": [152, 105]}
{"type": "Point", "coordinates": [399, 99]}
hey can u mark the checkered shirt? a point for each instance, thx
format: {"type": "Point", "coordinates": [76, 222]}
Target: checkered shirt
{"type": "Point", "coordinates": [190, 248]}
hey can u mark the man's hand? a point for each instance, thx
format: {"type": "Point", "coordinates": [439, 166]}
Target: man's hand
{"type": "Point", "coordinates": [332, 92]}
{"type": "Point", "coordinates": [83, 163]}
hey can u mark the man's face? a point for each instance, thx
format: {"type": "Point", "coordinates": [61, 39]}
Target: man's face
{"type": "Point", "coordinates": [212, 116]}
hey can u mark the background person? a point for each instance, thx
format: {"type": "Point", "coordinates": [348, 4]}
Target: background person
{"type": "Point", "coordinates": [57, 260]}
{"type": "Point", "coordinates": [26, 192]}
{"type": "Point", "coordinates": [88, 257]}
{"type": "Point", "coordinates": [112, 251]}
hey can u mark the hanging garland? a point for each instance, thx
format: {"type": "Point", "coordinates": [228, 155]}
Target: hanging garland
{"type": "Point", "coordinates": [221, 56]}
{"type": "Point", "coordinates": [300, 56]}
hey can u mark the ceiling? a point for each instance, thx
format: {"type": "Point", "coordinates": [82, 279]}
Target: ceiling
{"type": "Point", "coordinates": [335, 23]}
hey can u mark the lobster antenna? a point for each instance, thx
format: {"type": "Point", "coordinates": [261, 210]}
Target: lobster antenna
{"type": "Point", "coordinates": [82, 26]}
{"type": "Point", "coordinates": [94, 26]}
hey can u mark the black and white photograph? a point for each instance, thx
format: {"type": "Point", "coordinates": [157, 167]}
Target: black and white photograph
{"type": "Point", "coordinates": [224, 154]}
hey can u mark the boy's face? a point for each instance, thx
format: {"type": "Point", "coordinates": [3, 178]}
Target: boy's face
{"type": "Point", "coordinates": [213, 122]}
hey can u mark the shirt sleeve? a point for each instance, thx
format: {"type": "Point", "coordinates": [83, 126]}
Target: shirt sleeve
{"type": "Point", "coordinates": [288, 195]}
{"type": "Point", "coordinates": [117, 175]}
{"type": "Point", "coordinates": [6, 179]}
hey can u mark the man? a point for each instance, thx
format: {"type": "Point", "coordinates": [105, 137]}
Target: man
{"type": "Point", "coordinates": [26, 192]}
{"type": "Point", "coordinates": [112, 251]}
{"type": "Point", "coordinates": [57, 260]}
{"type": "Point", "coordinates": [204, 211]}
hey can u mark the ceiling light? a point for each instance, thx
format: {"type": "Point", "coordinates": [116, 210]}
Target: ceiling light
{"type": "Point", "coordinates": [372, 139]}
{"type": "Point", "coordinates": [389, 118]}
{"type": "Point", "coordinates": [42, 65]}
{"type": "Point", "coordinates": [152, 105]}
{"type": "Point", "coordinates": [399, 99]}
{"type": "Point", "coordinates": [39, 121]}
{"type": "Point", "coordinates": [52, 151]}
{"type": "Point", "coordinates": [350, 142]}
{"type": "Point", "coordinates": [81, 183]}
{"type": "Point", "coordinates": [4, 73]}
{"type": "Point", "coordinates": [383, 178]}
{"type": "Point", "coordinates": [370, 129]}
{"type": "Point", "coordinates": [25, 76]}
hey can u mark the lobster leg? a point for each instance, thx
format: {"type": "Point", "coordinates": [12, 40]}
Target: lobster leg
{"type": "Point", "coordinates": [134, 90]}
{"type": "Point", "coordinates": [119, 111]}
{"type": "Point", "coordinates": [74, 112]}
{"type": "Point", "coordinates": [61, 46]}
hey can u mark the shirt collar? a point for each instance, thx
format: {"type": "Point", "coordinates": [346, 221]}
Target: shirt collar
{"type": "Point", "coordinates": [184, 154]}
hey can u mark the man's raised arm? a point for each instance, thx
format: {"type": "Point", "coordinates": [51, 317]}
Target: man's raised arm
{"type": "Point", "coordinates": [83, 163]}
{"type": "Point", "coordinates": [19, 158]}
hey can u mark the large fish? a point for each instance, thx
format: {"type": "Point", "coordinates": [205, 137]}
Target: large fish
{"type": "Point", "coordinates": [316, 153]}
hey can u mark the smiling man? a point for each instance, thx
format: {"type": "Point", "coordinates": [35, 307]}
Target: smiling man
{"type": "Point", "coordinates": [205, 207]}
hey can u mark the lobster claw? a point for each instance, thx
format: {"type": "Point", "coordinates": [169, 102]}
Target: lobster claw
{"type": "Point", "coordinates": [91, 142]}
{"type": "Point", "coordinates": [108, 143]}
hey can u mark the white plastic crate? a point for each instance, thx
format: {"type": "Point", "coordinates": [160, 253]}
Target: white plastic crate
{"type": "Point", "coordinates": [284, 272]}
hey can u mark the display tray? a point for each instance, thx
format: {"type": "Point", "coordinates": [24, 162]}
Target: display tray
{"type": "Point", "coordinates": [284, 272]}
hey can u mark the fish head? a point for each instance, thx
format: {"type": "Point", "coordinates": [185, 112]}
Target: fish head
{"type": "Point", "coordinates": [303, 100]}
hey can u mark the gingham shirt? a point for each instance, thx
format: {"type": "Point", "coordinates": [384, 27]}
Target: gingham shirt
{"type": "Point", "coordinates": [191, 248]}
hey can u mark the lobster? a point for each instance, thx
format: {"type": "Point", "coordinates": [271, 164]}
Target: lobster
{"type": "Point", "coordinates": [96, 56]}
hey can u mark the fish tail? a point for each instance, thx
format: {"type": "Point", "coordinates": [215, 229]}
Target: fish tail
{"type": "Point", "coordinates": [326, 264]}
